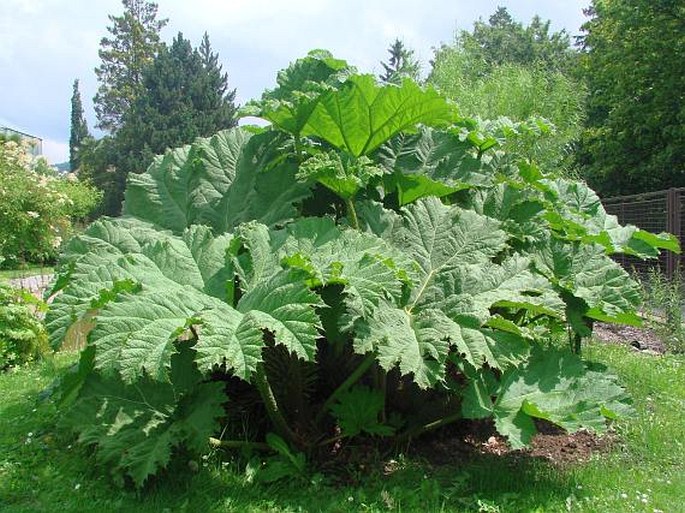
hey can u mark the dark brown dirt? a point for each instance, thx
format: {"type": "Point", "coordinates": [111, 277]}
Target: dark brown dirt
{"type": "Point", "coordinates": [641, 339]}
{"type": "Point", "coordinates": [477, 439]}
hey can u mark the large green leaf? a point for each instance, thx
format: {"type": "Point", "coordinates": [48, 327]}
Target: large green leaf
{"type": "Point", "coordinates": [578, 212]}
{"type": "Point", "coordinates": [432, 163]}
{"type": "Point", "coordinates": [457, 283]}
{"type": "Point", "coordinates": [136, 427]}
{"type": "Point", "coordinates": [129, 250]}
{"type": "Point", "coordinates": [285, 306]}
{"type": "Point", "coordinates": [265, 188]}
{"type": "Point", "coordinates": [289, 105]}
{"type": "Point", "coordinates": [474, 289]}
{"type": "Point", "coordinates": [585, 272]}
{"type": "Point", "coordinates": [144, 289]}
{"type": "Point", "coordinates": [361, 115]}
{"type": "Point", "coordinates": [345, 176]}
{"type": "Point", "coordinates": [368, 268]}
{"type": "Point", "coordinates": [185, 185]}
{"type": "Point", "coordinates": [136, 333]}
{"type": "Point", "coordinates": [558, 387]}
{"type": "Point", "coordinates": [442, 240]}
{"type": "Point", "coordinates": [417, 343]}
{"type": "Point", "coordinates": [219, 181]}
{"type": "Point", "coordinates": [519, 209]}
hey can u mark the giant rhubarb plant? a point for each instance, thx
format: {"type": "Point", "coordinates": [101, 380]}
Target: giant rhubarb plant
{"type": "Point", "coordinates": [366, 264]}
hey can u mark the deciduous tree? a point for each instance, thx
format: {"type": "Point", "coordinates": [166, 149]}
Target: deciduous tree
{"type": "Point", "coordinates": [503, 40]}
{"type": "Point", "coordinates": [633, 54]}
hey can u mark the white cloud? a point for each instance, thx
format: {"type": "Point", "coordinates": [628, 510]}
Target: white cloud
{"type": "Point", "coordinates": [55, 152]}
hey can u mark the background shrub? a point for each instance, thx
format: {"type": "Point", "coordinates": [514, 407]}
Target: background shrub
{"type": "Point", "coordinates": [22, 335]}
{"type": "Point", "coordinates": [38, 207]}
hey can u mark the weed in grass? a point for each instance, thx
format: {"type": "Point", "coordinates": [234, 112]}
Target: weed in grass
{"type": "Point", "coordinates": [664, 299]}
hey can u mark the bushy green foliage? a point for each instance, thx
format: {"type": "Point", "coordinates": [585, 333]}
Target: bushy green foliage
{"type": "Point", "coordinates": [530, 93]}
{"type": "Point", "coordinates": [37, 206]}
{"type": "Point", "coordinates": [365, 248]}
{"type": "Point", "coordinates": [633, 50]}
{"type": "Point", "coordinates": [663, 300]}
{"type": "Point", "coordinates": [502, 40]}
{"type": "Point", "coordinates": [22, 335]}
{"type": "Point", "coordinates": [502, 68]}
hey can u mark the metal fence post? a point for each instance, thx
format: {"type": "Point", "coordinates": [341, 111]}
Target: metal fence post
{"type": "Point", "coordinates": [672, 226]}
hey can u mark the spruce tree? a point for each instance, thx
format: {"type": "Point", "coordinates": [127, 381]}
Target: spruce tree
{"type": "Point", "coordinates": [79, 129]}
{"type": "Point", "coordinates": [133, 43]}
{"type": "Point", "coordinates": [402, 64]}
{"type": "Point", "coordinates": [184, 95]}
{"type": "Point", "coordinates": [218, 101]}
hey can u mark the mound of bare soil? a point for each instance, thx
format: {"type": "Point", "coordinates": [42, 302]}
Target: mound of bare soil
{"type": "Point", "coordinates": [479, 438]}
{"type": "Point", "coordinates": [642, 339]}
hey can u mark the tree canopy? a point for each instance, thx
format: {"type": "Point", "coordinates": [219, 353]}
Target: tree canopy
{"type": "Point", "coordinates": [133, 43]}
{"type": "Point", "coordinates": [633, 54]}
{"type": "Point", "coordinates": [503, 40]}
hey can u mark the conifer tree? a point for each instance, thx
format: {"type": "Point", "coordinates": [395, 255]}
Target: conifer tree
{"type": "Point", "coordinates": [218, 101]}
{"type": "Point", "coordinates": [133, 43]}
{"type": "Point", "coordinates": [184, 95]}
{"type": "Point", "coordinates": [402, 64]}
{"type": "Point", "coordinates": [79, 129]}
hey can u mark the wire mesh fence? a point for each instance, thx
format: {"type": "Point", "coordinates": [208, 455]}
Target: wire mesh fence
{"type": "Point", "coordinates": [656, 212]}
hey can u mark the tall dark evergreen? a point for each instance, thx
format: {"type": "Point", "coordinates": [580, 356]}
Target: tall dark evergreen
{"type": "Point", "coordinates": [402, 64]}
{"type": "Point", "coordinates": [219, 100]}
{"type": "Point", "coordinates": [79, 128]}
{"type": "Point", "coordinates": [184, 95]}
{"type": "Point", "coordinates": [133, 43]}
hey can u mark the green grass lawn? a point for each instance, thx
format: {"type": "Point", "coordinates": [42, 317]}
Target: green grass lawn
{"type": "Point", "coordinates": [42, 469]}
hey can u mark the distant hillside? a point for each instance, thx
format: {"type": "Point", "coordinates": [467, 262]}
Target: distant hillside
{"type": "Point", "coordinates": [63, 167]}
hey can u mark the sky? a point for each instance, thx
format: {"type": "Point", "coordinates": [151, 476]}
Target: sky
{"type": "Point", "coordinates": [46, 44]}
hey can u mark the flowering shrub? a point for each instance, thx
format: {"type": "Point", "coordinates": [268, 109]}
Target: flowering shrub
{"type": "Point", "coordinates": [22, 336]}
{"type": "Point", "coordinates": [37, 207]}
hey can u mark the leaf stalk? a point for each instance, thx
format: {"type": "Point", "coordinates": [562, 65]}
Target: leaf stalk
{"type": "Point", "coordinates": [352, 212]}
{"type": "Point", "coordinates": [238, 444]}
{"type": "Point", "coordinates": [345, 385]}
{"type": "Point", "coordinates": [272, 408]}
{"type": "Point", "coordinates": [419, 430]}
